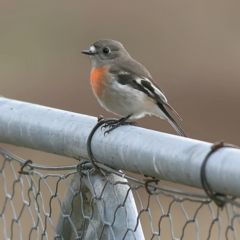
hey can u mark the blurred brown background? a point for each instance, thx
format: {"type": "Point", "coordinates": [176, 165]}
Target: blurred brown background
{"type": "Point", "coordinates": [192, 49]}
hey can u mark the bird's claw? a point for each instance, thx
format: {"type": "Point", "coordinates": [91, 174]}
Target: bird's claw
{"type": "Point", "coordinates": [115, 124]}
{"type": "Point", "coordinates": [110, 123]}
{"type": "Point", "coordinates": [100, 118]}
{"type": "Point", "coordinates": [131, 123]}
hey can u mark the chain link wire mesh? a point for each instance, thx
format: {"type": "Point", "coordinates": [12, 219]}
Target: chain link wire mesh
{"type": "Point", "coordinates": [80, 203]}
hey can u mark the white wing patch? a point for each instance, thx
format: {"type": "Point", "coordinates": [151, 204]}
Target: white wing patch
{"type": "Point", "coordinates": [123, 73]}
{"type": "Point", "coordinates": [156, 90]}
{"type": "Point", "coordinates": [139, 82]}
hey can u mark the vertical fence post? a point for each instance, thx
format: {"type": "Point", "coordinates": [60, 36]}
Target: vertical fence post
{"type": "Point", "coordinates": [98, 206]}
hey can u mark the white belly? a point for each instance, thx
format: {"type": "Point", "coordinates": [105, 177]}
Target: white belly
{"type": "Point", "coordinates": [123, 100]}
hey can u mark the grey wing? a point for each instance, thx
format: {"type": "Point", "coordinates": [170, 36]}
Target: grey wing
{"type": "Point", "coordinates": [141, 81]}
{"type": "Point", "coordinates": [158, 95]}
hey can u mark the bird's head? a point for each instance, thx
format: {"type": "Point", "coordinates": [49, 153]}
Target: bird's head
{"type": "Point", "coordinates": [105, 51]}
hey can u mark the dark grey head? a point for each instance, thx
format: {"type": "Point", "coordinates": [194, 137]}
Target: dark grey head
{"type": "Point", "coordinates": [105, 51]}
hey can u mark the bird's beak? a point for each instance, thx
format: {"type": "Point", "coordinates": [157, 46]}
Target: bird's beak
{"type": "Point", "coordinates": [88, 52]}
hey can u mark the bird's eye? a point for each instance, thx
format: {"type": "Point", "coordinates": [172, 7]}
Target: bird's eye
{"type": "Point", "coordinates": [106, 50]}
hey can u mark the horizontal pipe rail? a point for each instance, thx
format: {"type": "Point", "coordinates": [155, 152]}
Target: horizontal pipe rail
{"type": "Point", "coordinates": [134, 149]}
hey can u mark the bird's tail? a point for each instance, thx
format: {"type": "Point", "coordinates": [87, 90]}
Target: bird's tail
{"type": "Point", "coordinates": [172, 122]}
{"type": "Point", "coordinates": [177, 128]}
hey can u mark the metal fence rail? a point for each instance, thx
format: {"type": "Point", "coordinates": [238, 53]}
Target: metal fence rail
{"type": "Point", "coordinates": [163, 156]}
{"type": "Point", "coordinates": [88, 204]}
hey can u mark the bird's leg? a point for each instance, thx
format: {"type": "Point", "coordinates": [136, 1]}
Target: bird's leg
{"type": "Point", "coordinates": [119, 122]}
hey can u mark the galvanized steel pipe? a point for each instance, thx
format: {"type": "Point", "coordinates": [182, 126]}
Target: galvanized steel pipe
{"type": "Point", "coordinates": [134, 149]}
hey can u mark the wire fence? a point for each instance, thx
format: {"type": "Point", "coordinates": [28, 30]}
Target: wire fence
{"type": "Point", "coordinates": [78, 202]}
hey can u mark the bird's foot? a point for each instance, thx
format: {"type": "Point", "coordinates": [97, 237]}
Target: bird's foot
{"type": "Point", "coordinates": [113, 124]}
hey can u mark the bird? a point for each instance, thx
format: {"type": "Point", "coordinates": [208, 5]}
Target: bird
{"type": "Point", "coordinates": [124, 87]}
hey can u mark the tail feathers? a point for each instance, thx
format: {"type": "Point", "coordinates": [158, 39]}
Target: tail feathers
{"type": "Point", "coordinates": [177, 128]}
{"type": "Point", "coordinates": [172, 122]}
{"type": "Point", "coordinates": [173, 110]}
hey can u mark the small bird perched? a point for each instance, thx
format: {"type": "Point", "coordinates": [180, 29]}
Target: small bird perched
{"type": "Point", "coordinates": [124, 87]}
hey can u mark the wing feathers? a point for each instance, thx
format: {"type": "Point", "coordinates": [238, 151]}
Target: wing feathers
{"type": "Point", "coordinates": [126, 75]}
{"type": "Point", "coordinates": [145, 85]}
